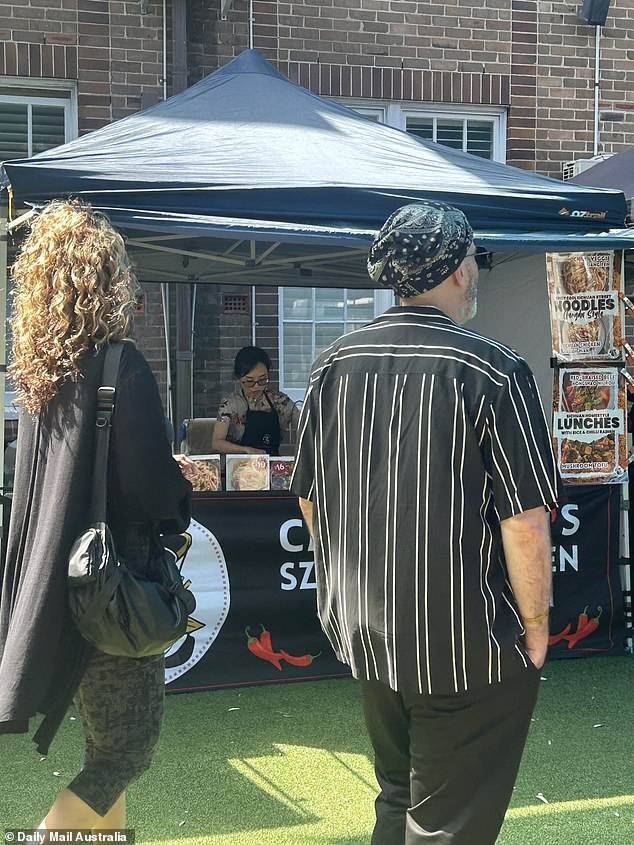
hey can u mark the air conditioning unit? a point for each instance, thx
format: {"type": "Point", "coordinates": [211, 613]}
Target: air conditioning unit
{"type": "Point", "coordinates": [574, 168]}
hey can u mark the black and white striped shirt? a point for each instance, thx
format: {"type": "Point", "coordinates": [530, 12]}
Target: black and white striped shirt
{"type": "Point", "coordinates": [417, 437]}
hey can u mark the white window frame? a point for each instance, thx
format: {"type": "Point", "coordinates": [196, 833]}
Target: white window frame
{"type": "Point", "coordinates": [383, 299]}
{"type": "Point", "coordinates": [46, 92]}
{"type": "Point", "coordinates": [395, 114]}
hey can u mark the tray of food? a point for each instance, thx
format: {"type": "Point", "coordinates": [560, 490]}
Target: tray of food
{"type": "Point", "coordinates": [206, 475]}
{"type": "Point", "coordinates": [281, 470]}
{"type": "Point", "coordinates": [247, 472]}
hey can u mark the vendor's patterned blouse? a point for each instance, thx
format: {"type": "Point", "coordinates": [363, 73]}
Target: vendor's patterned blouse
{"type": "Point", "coordinates": [233, 411]}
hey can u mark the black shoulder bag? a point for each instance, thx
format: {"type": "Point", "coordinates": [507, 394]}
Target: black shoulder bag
{"type": "Point", "coordinates": [119, 612]}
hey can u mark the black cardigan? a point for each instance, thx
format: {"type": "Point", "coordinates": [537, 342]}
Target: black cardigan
{"type": "Point", "coordinates": [42, 657]}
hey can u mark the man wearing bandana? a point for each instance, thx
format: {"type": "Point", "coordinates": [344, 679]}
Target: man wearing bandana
{"type": "Point", "coordinates": [425, 473]}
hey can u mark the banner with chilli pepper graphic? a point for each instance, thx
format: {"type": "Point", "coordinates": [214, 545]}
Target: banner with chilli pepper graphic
{"type": "Point", "coordinates": [250, 565]}
{"type": "Point", "coordinates": [587, 614]}
{"type": "Point", "coordinates": [251, 569]}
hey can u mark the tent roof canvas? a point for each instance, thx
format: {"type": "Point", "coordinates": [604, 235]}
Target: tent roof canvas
{"type": "Point", "coordinates": [616, 172]}
{"type": "Point", "coordinates": [248, 155]}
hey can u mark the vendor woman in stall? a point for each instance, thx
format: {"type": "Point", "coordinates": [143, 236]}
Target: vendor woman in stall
{"type": "Point", "coordinates": [252, 420]}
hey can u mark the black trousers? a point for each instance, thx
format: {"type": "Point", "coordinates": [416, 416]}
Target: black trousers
{"type": "Point", "coordinates": [446, 764]}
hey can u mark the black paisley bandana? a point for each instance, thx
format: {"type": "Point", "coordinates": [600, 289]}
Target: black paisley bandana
{"type": "Point", "coordinates": [418, 247]}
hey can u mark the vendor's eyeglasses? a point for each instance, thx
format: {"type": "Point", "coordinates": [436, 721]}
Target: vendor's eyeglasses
{"type": "Point", "coordinates": [251, 382]}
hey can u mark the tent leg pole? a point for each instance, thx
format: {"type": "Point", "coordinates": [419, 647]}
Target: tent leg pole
{"type": "Point", "coordinates": [4, 280]}
{"type": "Point", "coordinates": [184, 354]}
{"type": "Point", "coordinates": [165, 304]}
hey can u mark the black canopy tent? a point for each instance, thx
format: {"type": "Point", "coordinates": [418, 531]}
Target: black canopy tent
{"type": "Point", "coordinates": [254, 180]}
{"type": "Point", "coordinates": [248, 178]}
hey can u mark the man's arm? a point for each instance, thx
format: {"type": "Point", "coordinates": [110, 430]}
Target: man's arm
{"type": "Point", "coordinates": [527, 549]}
{"type": "Point", "coordinates": [306, 507]}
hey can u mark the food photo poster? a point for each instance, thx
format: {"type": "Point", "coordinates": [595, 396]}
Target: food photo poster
{"type": "Point", "coordinates": [586, 313]}
{"type": "Point", "coordinates": [587, 318]}
{"type": "Point", "coordinates": [589, 424]}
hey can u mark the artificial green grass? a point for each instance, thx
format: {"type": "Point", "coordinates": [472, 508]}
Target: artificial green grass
{"type": "Point", "coordinates": [290, 764]}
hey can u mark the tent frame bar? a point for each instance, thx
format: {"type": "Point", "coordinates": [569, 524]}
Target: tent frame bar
{"type": "Point", "coordinates": [254, 261]}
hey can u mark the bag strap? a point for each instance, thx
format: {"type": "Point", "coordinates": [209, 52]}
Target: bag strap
{"type": "Point", "coordinates": [105, 407]}
{"type": "Point", "coordinates": [101, 598]}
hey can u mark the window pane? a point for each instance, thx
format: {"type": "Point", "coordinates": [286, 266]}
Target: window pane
{"type": "Point", "coordinates": [297, 304]}
{"type": "Point", "coordinates": [336, 312]}
{"type": "Point", "coordinates": [297, 354]}
{"type": "Point", "coordinates": [14, 129]}
{"type": "Point", "coordinates": [450, 133]}
{"type": "Point", "coordinates": [422, 127]}
{"type": "Point", "coordinates": [48, 127]}
{"type": "Point", "coordinates": [325, 333]}
{"type": "Point", "coordinates": [480, 138]}
{"type": "Point", "coordinates": [360, 305]}
{"type": "Point", "coordinates": [329, 304]}
{"type": "Point", "coordinates": [372, 114]}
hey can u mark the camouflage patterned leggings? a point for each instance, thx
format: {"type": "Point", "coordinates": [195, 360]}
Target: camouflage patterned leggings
{"type": "Point", "coordinates": [120, 701]}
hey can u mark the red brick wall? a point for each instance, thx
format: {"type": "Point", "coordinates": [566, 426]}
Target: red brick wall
{"type": "Point", "coordinates": [149, 333]}
{"type": "Point", "coordinates": [113, 51]}
{"type": "Point", "coordinates": [217, 338]}
{"type": "Point", "coordinates": [565, 83]}
{"type": "Point", "coordinates": [533, 56]}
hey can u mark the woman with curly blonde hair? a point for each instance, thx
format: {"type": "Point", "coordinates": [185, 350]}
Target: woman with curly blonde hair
{"type": "Point", "coordinates": [74, 294]}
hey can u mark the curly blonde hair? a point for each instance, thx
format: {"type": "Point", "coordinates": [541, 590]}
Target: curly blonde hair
{"type": "Point", "coordinates": [74, 293]}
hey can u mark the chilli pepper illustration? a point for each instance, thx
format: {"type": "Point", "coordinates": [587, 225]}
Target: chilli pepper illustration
{"type": "Point", "coordinates": [582, 619]}
{"type": "Point", "coordinates": [298, 660]}
{"type": "Point", "coordinates": [589, 627]}
{"type": "Point", "coordinates": [262, 647]}
{"type": "Point", "coordinates": [562, 635]}
{"type": "Point", "coordinates": [259, 649]}
{"type": "Point", "coordinates": [265, 638]}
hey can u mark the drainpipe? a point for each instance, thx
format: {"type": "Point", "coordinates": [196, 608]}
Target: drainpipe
{"type": "Point", "coordinates": [165, 303]}
{"type": "Point", "coordinates": [597, 80]}
{"type": "Point", "coordinates": [165, 49]}
{"type": "Point", "coordinates": [179, 46]}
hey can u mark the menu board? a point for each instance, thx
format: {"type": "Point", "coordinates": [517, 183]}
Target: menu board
{"type": "Point", "coordinates": [586, 314]}
{"type": "Point", "coordinates": [247, 472]}
{"type": "Point", "coordinates": [206, 475]}
{"type": "Point", "coordinates": [589, 424]}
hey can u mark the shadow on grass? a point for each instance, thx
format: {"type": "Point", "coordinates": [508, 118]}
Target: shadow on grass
{"type": "Point", "coordinates": [246, 756]}
{"type": "Point", "coordinates": [229, 762]}
{"type": "Point", "coordinates": [291, 765]}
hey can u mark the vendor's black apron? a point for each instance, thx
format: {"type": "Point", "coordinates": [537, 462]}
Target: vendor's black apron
{"type": "Point", "coordinates": [262, 430]}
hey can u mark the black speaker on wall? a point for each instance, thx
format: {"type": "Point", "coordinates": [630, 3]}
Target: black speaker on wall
{"type": "Point", "coordinates": [593, 12]}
